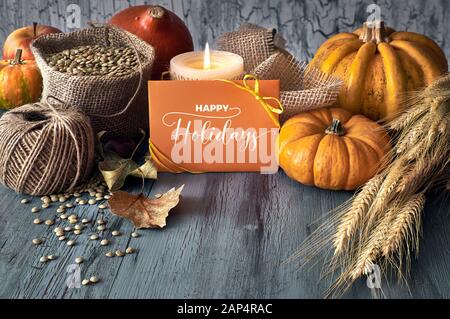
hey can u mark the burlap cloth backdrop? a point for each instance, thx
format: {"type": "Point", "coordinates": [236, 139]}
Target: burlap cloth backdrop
{"type": "Point", "coordinates": [117, 104]}
{"type": "Point", "coordinates": [264, 56]}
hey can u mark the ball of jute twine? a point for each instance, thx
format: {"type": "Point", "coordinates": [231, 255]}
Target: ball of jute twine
{"type": "Point", "coordinates": [45, 148]}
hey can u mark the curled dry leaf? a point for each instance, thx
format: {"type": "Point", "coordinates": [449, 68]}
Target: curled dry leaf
{"type": "Point", "coordinates": [146, 170]}
{"type": "Point", "coordinates": [142, 211]}
{"type": "Point", "coordinates": [116, 169]}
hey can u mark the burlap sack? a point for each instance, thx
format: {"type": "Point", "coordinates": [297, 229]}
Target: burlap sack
{"type": "Point", "coordinates": [264, 56]}
{"type": "Point", "coordinates": [115, 104]}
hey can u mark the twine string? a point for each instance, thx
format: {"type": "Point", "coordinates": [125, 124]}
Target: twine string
{"type": "Point", "coordinates": [45, 155]}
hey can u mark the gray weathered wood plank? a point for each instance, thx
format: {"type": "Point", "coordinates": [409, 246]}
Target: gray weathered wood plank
{"type": "Point", "coordinates": [226, 239]}
{"type": "Point", "coordinates": [305, 24]}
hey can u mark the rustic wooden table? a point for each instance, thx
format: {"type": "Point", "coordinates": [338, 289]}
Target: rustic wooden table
{"type": "Point", "coordinates": [227, 239]}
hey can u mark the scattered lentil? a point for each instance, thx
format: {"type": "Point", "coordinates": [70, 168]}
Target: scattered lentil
{"type": "Point", "coordinates": [135, 234]}
{"type": "Point", "coordinates": [49, 222]}
{"type": "Point", "coordinates": [37, 241]}
{"type": "Point", "coordinates": [94, 279]}
{"type": "Point", "coordinates": [104, 242]}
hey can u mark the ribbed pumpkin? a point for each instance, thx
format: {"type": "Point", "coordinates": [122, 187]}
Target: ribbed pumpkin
{"type": "Point", "coordinates": [331, 149]}
{"type": "Point", "coordinates": [20, 82]}
{"type": "Point", "coordinates": [378, 65]}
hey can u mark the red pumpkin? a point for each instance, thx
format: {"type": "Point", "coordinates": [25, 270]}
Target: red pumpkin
{"type": "Point", "coordinates": [159, 27]}
{"type": "Point", "coordinates": [20, 82]}
{"type": "Point", "coordinates": [22, 38]}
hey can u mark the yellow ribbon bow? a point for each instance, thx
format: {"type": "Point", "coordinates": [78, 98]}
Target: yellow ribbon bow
{"type": "Point", "coordinates": [263, 100]}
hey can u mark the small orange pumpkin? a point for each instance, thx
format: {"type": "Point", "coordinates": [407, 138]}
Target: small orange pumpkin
{"type": "Point", "coordinates": [331, 149]}
{"type": "Point", "coordinates": [20, 82]}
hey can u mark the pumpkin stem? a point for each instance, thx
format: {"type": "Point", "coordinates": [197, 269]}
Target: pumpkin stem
{"type": "Point", "coordinates": [156, 12]}
{"type": "Point", "coordinates": [366, 35]}
{"type": "Point", "coordinates": [335, 128]}
{"type": "Point", "coordinates": [379, 34]}
{"type": "Point", "coordinates": [373, 31]}
{"type": "Point", "coordinates": [35, 25]}
{"type": "Point", "coordinates": [18, 57]}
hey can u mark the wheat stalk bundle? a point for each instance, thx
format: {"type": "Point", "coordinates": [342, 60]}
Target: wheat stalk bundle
{"type": "Point", "coordinates": [381, 224]}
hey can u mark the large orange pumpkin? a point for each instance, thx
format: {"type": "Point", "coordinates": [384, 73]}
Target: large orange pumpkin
{"type": "Point", "coordinates": [332, 149]}
{"type": "Point", "coordinates": [20, 82]}
{"type": "Point", "coordinates": [159, 27]}
{"type": "Point", "coordinates": [378, 65]}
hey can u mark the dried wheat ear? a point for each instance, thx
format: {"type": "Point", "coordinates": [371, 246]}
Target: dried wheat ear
{"type": "Point", "coordinates": [381, 224]}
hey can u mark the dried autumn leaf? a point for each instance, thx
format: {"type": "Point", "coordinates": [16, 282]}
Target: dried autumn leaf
{"type": "Point", "coordinates": [142, 211]}
{"type": "Point", "coordinates": [147, 170]}
{"type": "Point", "coordinates": [116, 169]}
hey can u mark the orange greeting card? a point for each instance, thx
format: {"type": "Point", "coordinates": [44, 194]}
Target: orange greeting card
{"type": "Point", "coordinates": [214, 126]}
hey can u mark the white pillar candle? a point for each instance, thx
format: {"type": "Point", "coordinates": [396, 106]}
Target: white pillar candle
{"type": "Point", "coordinates": [206, 65]}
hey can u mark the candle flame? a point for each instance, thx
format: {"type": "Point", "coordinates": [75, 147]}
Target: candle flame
{"type": "Point", "coordinates": [207, 57]}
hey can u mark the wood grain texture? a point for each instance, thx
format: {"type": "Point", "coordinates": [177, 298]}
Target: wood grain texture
{"type": "Point", "coordinates": [226, 239]}
{"type": "Point", "coordinates": [305, 24]}
{"type": "Point", "coordinates": [231, 232]}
